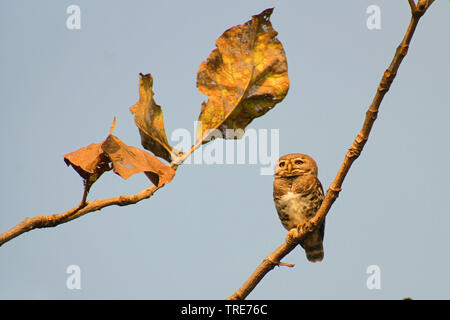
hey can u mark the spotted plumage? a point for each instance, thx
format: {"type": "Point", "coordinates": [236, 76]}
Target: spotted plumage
{"type": "Point", "coordinates": [298, 194]}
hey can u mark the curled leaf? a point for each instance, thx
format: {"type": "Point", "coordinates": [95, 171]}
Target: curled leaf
{"type": "Point", "coordinates": [243, 78]}
{"type": "Point", "coordinates": [92, 161]}
{"type": "Point", "coordinates": [127, 160]}
{"type": "Point", "coordinates": [148, 117]}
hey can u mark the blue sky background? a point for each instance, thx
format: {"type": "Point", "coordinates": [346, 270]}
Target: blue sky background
{"type": "Point", "coordinates": [201, 236]}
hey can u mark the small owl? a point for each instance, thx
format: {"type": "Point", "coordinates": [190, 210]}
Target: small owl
{"type": "Point", "coordinates": [298, 194]}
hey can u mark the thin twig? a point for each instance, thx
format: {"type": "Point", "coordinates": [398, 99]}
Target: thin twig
{"type": "Point", "coordinates": [296, 235]}
{"type": "Point", "coordinates": [279, 263]}
{"type": "Point", "coordinates": [290, 265]}
{"type": "Point", "coordinates": [87, 187]}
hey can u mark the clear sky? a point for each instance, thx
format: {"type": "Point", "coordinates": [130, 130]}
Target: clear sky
{"type": "Point", "coordinates": [202, 235]}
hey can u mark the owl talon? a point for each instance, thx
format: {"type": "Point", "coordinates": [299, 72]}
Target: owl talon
{"type": "Point", "coordinates": [291, 235]}
{"type": "Point", "coordinates": [304, 227]}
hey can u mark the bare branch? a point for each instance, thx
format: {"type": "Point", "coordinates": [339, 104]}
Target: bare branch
{"type": "Point", "coordinates": [296, 235]}
{"type": "Point", "coordinates": [412, 5]}
{"type": "Point", "coordinates": [83, 208]}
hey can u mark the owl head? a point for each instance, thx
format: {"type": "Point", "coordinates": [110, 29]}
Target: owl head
{"type": "Point", "coordinates": [294, 165]}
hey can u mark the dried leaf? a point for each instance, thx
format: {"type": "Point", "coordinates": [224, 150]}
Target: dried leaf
{"type": "Point", "coordinates": [127, 160]}
{"type": "Point", "coordinates": [243, 78]}
{"type": "Point", "coordinates": [148, 117]}
{"type": "Point", "coordinates": [90, 162]}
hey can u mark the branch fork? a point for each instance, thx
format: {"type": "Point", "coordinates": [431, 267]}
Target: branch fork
{"type": "Point", "coordinates": [419, 9]}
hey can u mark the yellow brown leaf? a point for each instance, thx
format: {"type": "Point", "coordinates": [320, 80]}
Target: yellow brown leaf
{"type": "Point", "coordinates": [243, 78]}
{"type": "Point", "coordinates": [90, 162]}
{"type": "Point", "coordinates": [148, 117]}
{"type": "Point", "coordinates": [127, 160]}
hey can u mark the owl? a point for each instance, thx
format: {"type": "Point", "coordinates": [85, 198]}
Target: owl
{"type": "Point", "coordinates": [298, 194]}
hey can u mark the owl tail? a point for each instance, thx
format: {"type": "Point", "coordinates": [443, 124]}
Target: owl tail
{"type": "Point", "coordinates": [313, 247]}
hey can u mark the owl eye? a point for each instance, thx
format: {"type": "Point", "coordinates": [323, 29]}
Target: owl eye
{"type": "Point", "coordinates": [282, 163]}
{"type": "Point", "coordinates": [298, 162]}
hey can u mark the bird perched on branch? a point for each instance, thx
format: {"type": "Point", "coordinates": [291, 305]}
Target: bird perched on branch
{"type": "Point", "coordinates": [298, 194]}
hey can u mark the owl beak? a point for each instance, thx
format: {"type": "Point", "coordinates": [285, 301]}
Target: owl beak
{"type": "Point", "coordinates": [289, 167]}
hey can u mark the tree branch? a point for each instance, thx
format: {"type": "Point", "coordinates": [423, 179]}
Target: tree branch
{"type": "Point", "coordinates": [86, 207]}
{"type": "Point", "coordinates": [294, 236]}
{"type": "Point", "coordinates": [83, 208]}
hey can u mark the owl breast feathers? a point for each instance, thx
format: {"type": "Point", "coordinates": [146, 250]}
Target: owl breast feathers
{"type": "Point", "coordinates": [298, 194]}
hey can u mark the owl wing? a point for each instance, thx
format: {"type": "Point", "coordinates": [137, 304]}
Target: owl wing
{"type": "Point", "coordinates": [322, 227]}
{"type": "Point", "coordinates": [322, 230]}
